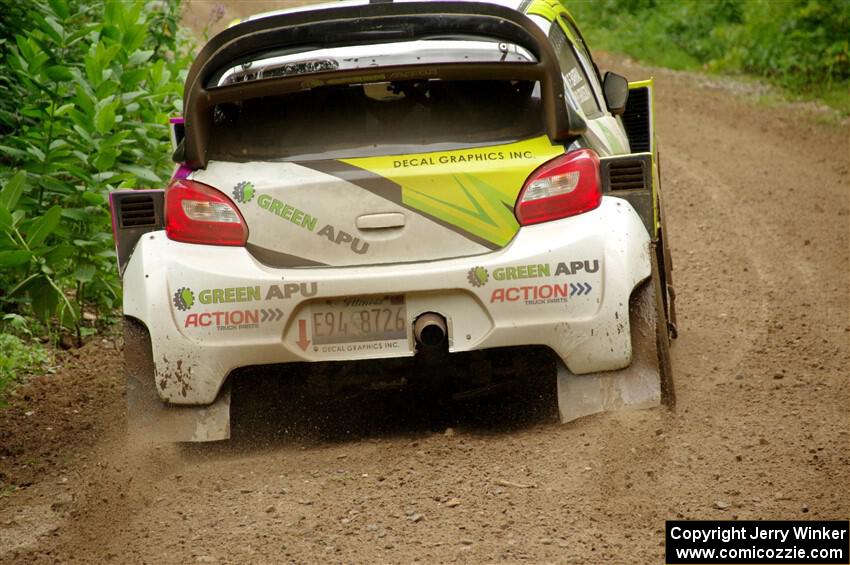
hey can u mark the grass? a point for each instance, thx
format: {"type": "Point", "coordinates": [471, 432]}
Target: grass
{"type": "Point", "coordinates": [734, 37]}
{"type": "Point", "coordinates": [18, 358]}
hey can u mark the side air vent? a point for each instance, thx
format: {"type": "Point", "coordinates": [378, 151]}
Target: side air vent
{"type": "Point", "coordinates": [627, 174]}
{"type": "Point", "coordinates": [137, 212]}
{"type": "Point", "coordinates": [636, 120]}
{"type": "Point", "coordinates": [134, 213]}
{"type": "Point", "coordinates": [630, 177]}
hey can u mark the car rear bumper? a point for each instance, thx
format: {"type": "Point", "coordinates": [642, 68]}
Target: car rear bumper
{"type": "Point", "coordinates": [564, 284]}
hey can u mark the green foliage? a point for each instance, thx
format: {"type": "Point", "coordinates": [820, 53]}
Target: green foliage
{"type": "Point", "coordinates": [12, 21]}
{"type": "Point", "coordinates": [92, 86]}
{"type": "Point", "coordinates": [801, 45]}
{"type": "Point", "coordinates": [799, 42]}
{"type": "Point", "coordinates": [18, 358]}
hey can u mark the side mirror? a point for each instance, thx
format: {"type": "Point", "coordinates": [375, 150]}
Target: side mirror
{"type": "Point", "coordinates": [616, 91]}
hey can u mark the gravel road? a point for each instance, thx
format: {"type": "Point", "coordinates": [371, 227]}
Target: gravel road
{"type": "Point", "coordinates": [757, 203]}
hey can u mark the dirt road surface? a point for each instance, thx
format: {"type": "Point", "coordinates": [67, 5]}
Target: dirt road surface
{"type": "Point", "coordinates": [757, 202]}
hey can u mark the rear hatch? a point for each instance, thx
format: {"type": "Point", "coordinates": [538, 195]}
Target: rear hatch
{"type": "Point", "coordinates": [374, 170]}
{"type": "Point", "coordinates": [379, 173]}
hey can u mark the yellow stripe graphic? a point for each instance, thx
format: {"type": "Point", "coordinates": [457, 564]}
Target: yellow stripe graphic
{"type": "Point", "coordinates": [472, 189]}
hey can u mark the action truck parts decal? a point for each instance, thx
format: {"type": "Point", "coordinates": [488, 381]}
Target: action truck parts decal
{"type": "Point", "coordinates": [233, 319]}
{"type": "Point", "coordinates": [532, 294]}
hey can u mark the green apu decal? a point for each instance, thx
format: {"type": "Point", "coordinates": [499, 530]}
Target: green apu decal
{"type": "Point", "coordinates": [521, 272]}
{"type": "Point", "coordinates": [243, 192]}
{"type": "Point", "coordinates": [308, 222]}
{"type": "Point", "coordinates": [478, 276]}
{"type": "Point", "coordinates": [287, 212]}
{"type": "Point", "coordinates": [184, 297]}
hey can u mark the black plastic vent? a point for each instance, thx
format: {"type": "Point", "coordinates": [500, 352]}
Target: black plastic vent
{"type": "Point", "coordinates": [627, 174]}
{"type": "Point", "coordinates": [630, 177]}
{"type": "Point", "coordinates": [636, 120]}
{"type": "Point", "coordinates": [137, 212]}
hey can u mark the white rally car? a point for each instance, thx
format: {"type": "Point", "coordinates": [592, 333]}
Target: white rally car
{"type": "Point", "coordinates": [440, 181]}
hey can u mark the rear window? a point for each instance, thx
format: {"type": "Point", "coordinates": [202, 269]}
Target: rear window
{"type": "Point", "coordinates": [376, 119]}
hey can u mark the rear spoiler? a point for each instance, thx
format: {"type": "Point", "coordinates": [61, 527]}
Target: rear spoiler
{"type": "Point", "coordinates": [368, 24]}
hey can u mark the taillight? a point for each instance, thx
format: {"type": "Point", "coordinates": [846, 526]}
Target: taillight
{"type": "Point", "coordinates": [565, 186]}
{"type": "Point", "coordinates": [197, 213]}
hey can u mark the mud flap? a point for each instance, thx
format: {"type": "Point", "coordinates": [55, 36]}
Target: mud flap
{"type": "Point", "coordinates": [645, 383]}
{"type": "Point", "coordinates": [151, 420]}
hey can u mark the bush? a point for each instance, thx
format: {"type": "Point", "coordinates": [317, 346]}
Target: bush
{"type": "Point", "coordinates": [802, 45]}
{"type": "Point", "coordinates": [91, 87]}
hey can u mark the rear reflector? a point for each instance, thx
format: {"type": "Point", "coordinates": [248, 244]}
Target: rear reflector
{"type": "Point", "coordinates": [565, 186]}
{"type": "Point", "coordinates": [197, 213]}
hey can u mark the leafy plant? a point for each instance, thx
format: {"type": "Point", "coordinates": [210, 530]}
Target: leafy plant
{"type": "Point", "coordinates": [94, 85]}
{"type": "Point", "coordinates": [18, 358]}
{"type": "Point", "coordinates": [24, 248]}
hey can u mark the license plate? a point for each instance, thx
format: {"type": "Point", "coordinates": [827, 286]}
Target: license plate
{"type": "Point", "coordinates": [359, 319]}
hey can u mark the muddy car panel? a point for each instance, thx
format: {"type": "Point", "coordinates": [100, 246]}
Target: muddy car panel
{"type": "Point", "coordinates": [218, 311]}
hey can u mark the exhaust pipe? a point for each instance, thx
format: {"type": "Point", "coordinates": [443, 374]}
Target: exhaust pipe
{"type": "Point", "coordinates": [429, 329]}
